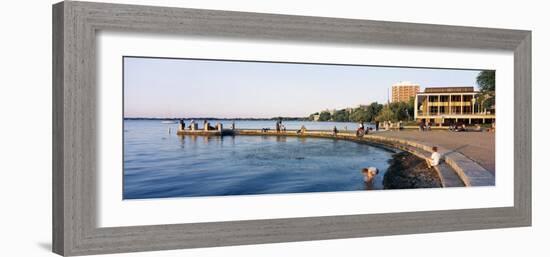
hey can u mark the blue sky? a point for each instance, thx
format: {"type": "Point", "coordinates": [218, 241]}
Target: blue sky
{"type": "Point", "coordinates": [156, 87]}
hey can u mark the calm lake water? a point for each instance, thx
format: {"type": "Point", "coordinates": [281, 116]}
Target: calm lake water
{"type": "Point", "coordinates": [158, 164]}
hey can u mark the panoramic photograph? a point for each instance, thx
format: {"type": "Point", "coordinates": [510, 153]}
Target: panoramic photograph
{"type": "Point", "coordinates": [201, 127]}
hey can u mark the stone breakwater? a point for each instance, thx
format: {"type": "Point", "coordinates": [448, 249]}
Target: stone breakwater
{"type": "Point", "coordinates": [409, 171]}
{"type": "Point", "coordinates": [455, 170]}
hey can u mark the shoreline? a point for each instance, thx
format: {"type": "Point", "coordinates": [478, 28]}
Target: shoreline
{"type": "Point", "coordinates": [407, 171]}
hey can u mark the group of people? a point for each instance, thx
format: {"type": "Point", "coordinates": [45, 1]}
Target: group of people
{"type": "Point", "coordinates": [279, 126]}
{"type": "Point", "coordinates": [205, 125]}
{"type": "Point", "coordinates": [457, 127]}
{"type": "Point", "coordinates": [362, 130]}
{"type": "Point", "coordinates": [425, 126]}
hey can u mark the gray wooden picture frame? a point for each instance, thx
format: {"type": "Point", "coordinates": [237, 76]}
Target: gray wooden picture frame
{"type": "Point", "coordinates": [75, 25]}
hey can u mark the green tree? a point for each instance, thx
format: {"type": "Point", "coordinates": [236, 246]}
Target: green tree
{"type": "Point", "coordinates": [341, 115]}
{"type": "Point", "coordinates": [372, 111]}
{"type": "Point", "coordinates": [400, 111]}
{"type": "Point", "coordinates": [410, 108]}
{"type": "Point", "coordinates": [386, 114]}
{"type": "Point", "coordinates": [324, 116]}
{"type": "Point", "coordinates": [358, 114]}
{"type": "Point", "coordinates": [486, 81]}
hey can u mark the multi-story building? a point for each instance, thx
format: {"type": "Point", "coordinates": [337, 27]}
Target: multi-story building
{"type": "Point", "coordinates": [449, 105]}
{"type": "Point", "coordinates": [403, 91]}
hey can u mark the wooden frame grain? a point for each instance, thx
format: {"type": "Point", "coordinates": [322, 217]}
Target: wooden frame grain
{"type": "Point", "coordinates": [74, 128]}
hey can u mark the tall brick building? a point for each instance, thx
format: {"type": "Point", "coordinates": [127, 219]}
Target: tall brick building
{"type": "Point", "coordinates": [403, 91]}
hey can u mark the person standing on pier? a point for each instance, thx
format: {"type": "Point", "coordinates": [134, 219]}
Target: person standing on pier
{"type": "Point", "coordinates": [182, 124]}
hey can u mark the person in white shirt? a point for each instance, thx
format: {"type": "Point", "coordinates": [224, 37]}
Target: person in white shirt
{"type": "Point", "coordinates": [434, 159]}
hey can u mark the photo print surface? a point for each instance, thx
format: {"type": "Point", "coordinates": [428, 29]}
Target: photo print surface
{"type": "Point", "coordinates": [201, 127]}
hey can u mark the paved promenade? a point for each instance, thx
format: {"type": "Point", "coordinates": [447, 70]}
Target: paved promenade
{"type": "Point", "coordinates": [477, 146]}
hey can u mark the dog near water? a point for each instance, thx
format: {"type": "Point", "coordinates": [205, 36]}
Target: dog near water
{"type": "Point", "coordinates": [368, 176]}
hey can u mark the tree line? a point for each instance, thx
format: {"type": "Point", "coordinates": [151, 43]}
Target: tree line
{"type": "Point", "coordinates": [397, 111]}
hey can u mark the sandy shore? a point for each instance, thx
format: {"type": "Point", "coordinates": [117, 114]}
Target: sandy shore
{"type": "Point", "coordinates": [408, 171]}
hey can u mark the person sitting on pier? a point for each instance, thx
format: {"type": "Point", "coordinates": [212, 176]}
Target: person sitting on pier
{"type": "Point", "coordinates": [434, 159]}
{"type": "Point", "coordinates": [302, 130]}
{"type": "Point", "coordinates": [360, 132]}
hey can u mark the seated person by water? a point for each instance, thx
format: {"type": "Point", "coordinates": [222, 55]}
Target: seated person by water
{"type": "Point", "coordinates": [361, 130]}
{"type": "Point", "coordinates": [434, 159]}
{"type": "Point", "coordinates": [302, 130]}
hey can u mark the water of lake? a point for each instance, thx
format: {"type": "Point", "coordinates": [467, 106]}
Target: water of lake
{"type": "Point", "coordinates": [159, 165]}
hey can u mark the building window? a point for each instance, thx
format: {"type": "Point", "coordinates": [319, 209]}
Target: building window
{"type": "Point", "coordinates": [455, 109]}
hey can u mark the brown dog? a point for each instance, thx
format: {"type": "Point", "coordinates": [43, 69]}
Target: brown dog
{"type": "Point", "coordinates": [369, 174]}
